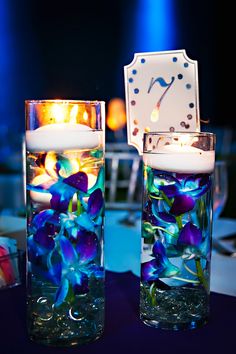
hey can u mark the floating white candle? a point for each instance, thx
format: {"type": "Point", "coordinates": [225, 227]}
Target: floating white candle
{"type": "Point", "coordinates": [64, 136]}
{"type": "Point", "coordinates": [181, 159]}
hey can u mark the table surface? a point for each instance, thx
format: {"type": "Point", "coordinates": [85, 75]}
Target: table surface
{"type": "Point", "coordinates": [123, 247]}
{"type": "Point", "coordinates": [124, 332]}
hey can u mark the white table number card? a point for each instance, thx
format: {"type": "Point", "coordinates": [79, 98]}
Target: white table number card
{"type": "Point", "coordinates": [161, 94]}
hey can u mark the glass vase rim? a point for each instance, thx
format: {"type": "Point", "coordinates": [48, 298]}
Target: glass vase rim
{"type": "Point", "coordinates": [64, 101]}
{"type": "Point", "coordinates": [179, 133]}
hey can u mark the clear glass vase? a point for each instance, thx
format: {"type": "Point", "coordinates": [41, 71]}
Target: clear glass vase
{"type": "Point", "coordinates": [176, 229]}
{"type": "Point", "coordinates": [65, 209]}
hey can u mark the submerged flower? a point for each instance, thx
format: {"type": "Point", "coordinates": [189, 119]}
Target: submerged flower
{"type": "Point", "coordinates": [66, 263]}
{"type": "Point", "coordinates": [64, 190]}
{"type": "Point", "coordinates": [179, 192]}
{"type": "Point", "coordinates": [190, 235]}
{"type": "Point", "coordinates": [78, 180]}
{"type": "Point", "coordinates": [150, 270]}
{"type": "Point", "coordinates": [95, 202]}
{"type": "Point", "coordinates": [164, 217]}
{"type": "Point", "coordinates": [43, 238]}
{"type": "Point", "coordinates": [182, 204]}
{"type": "Point", "coordinates": [86, 246]}
{"type": "Point", "coordinates": [160, 266]}
{"type": "Point", "coordinates": [64, 245]}
{"type": "Point", "coordinates": [76, 262]}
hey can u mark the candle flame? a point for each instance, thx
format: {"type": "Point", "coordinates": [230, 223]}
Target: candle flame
{"type": "Point", "coordinates": [184, 139]}
{"type": "Point", "coordinates": [58, 112]}
{"type": "Point", "coordinates": [73, 114]}
{"type": "Point", "coordinates": [85, 116]}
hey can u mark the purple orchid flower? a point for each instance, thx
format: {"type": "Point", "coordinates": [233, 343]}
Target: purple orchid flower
{"type": "Point", "coordinates": [62, 292]}
{"type": "Point", "coordinates": [43, 238]}
{"type": "Point", "coordinates": [79, 282]}
{"type": "Point", "coordinates": [95, 203]}
{"type": "Point", "coordinates": [68, 252]}
{"type": "Point", "coordinates": [150, 270]}
{"type": "Point", "coordinates": [182, 204]}
{"type": "Point", "coordinates": [63, 189]}
{"type": "Point", "coordinates": [195, 185]}
{"type": "Point", "coordinates": [64, 245]}
{"type": "Point", "coordinates": [86, 246]}
{"type": "Point", "coordinates": [190, 235]}
{"type": "Point", "coordinates": [185, 189]}
{"type": "Point", "coordinates": [158, 267]}
{"type": "Point", "coordinates": [170, 190]}
{"type": "Point", "coordinates": [74, 262]}
{"type": "Point", "coordinates": [78, 180]}
{"type": "Point", "coordinates": [164, 217]}
{"type": "Point", "coordinates": [62, 193]}
{"type": "Point", "coordinates": [49, 218]}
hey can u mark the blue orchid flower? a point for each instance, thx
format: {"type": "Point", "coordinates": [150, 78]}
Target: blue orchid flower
{"type": "Point", "coordinates": [75, 264]}
{"type": "Point", "coordinates": [65, 263]}
{"type": "Point", "coordinates": [185, 189]}
{"type": "Point", "coordinates": [160, 266]}
{"type": "Point", "coordinates": [190, 235]}
{"type": "Point", "coordinates": [64, 246]}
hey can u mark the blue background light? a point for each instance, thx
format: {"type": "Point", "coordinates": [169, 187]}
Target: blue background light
{"type": "Point", "coordinates": [155, 25]}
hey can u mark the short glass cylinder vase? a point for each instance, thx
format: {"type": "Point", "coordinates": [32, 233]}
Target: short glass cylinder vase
{"type": "Point", "coordinates": [176, 229]}
{"type": "Point", "coordinates": [65, 209]}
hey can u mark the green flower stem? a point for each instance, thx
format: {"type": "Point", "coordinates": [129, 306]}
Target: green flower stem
{"type": "Point", "coordinates": [79, 206]}
{"type": "Point", "coordinates": [169, 203]}
{"type": "Point", "coordinates": [186, 280]}
{"type": "Point", "coordinates": [179, 222]}
{"type": "Point", "coordinates": [200, 274]}
{"type": "Point", "coordinates": [152, 291]}
{"type": "Point", "coordinates": [159, 198]}
{"type": "Point", "coordinates": [166, 199]}
{"type": "Point", "coordinates": [189, 270]}
{"type": "Point", "coordinates": [70, 206]}
{"type": "Point", "coordinates": [164, 230]}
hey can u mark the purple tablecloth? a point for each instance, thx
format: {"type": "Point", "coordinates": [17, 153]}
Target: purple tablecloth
{"type": "Point", "coordinates": [124, 332]}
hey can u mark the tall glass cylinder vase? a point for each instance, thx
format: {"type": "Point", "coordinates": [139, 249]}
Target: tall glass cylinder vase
{"type": "Point", "coordinates": [176, 229]}
{"type": "Point", "coordinates": [65, 208]}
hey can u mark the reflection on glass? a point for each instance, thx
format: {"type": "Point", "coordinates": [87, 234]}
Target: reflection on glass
{"type": "Point", "coordinates": [220, 188]}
